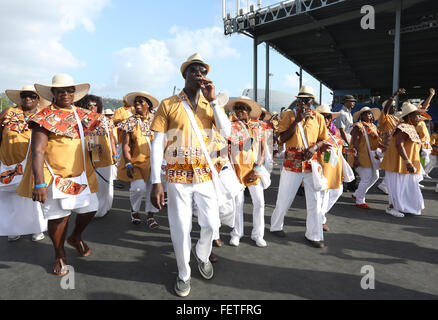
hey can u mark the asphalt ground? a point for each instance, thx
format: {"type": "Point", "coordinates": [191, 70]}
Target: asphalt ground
{"type": "Point", "coordinates": [131, 262]}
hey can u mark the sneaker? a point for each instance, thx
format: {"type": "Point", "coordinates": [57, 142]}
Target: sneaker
{"type": "Point", "coordinates": [426, 176]}
{"type": "Point", "coordinates": [38, 236]}
{"type": "Point", "coordinates": [260, 242]}
{"type": "Point", "coordinates": [13, 238]}
{"type": "Point", "coordinates": [234, 241]}
{"type": "Point", "coordinates": [182, 288]}
{"type": "Point", "coordinates": [394, 213]}
{"type": "Point", "coordinates": [421, 186]}
{"type": "Point", "coordinates": [363, 206]}
{"type": "Point", "coordinates": [279, 233]}
{"type": "Point", "coordinates": [436, 188]}
{"type": "Point", "coordinates": [205, 268]}
{"type": "Point", "coordinates": [383, 189]}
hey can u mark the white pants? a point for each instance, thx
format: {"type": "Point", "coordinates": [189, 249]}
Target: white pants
{"type": "Point", "coordinates": [106, 190]}
{"type": "Point", "coordinates": [289, 184]}
{"type": "Point", "coordinates": [405, 193]}
{"type": "Point", "coordinates": [20, 216]}
{"type": "Point", "coordinates": [432, 164]}
{"type": "Point", "coordinates": [138, 190]}
{"type": "Point", "coordinates": [368, 177]}
{"type": "Point", "coordinates": [180, 203]}
{"type": "Point", "coordinates": [383, 184]}
{"type": "Point", "coordinates": [258, 213]}
{"type": "Point", "coordinates": [329, 198]}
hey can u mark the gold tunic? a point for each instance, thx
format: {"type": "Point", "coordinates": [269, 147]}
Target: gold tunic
{"type": "Point", "coordinates": [392, 161]}
{"type": "Point", "coordinates": [138, 129]}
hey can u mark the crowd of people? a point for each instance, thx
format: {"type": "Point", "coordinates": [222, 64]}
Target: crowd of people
{"type": "Point", "coordinates": [196, 153]}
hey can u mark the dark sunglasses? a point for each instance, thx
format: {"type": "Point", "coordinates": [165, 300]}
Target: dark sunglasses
{"type": "Point", "coordinates": [65, 90]}
{"type": "Point", "coordinates": [328, 116]}
{"type": "Point", "coordinates": [305, 100]}
{"type": "Point", "coordinates": [30, 95]}
{"type": "Point", "coordinates": [195, 68]}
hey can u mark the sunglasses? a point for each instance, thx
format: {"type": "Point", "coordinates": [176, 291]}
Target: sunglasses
{"type": "Point", "coordinates": [92, 104]}
{"type": "Point", "coordinates": [30, 95]}
{"type": "Point", "coordinates": [65, 90]}
{"type": "Point", "coordinates": [195, 68]}
{"type": "Point", "coordinates": [305, 100]}
{"type": "Point", "coordinates": [328, 116]}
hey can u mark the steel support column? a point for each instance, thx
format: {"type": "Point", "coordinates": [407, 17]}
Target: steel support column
{"type": "Point", "coordinates": [396, 74]}
{"type": "Point", "coordinates": [255, 69]}
{"type": "Point", "coordinates": [267, 93]}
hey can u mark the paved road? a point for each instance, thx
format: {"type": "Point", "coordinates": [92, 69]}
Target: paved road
{"type": "Point", "coordinates": [133, 262]}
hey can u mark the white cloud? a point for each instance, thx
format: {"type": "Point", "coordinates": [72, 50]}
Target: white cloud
{"type": "Point", "coordinates": [148, 66]}
{"type": "Point", "coordinates": [32, 31]}
{"type": "Point", "coordinates": [154, 65]}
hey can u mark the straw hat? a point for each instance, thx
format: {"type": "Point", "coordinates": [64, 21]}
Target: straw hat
{"type": "Point", "coordinates": [62, 80]}
{"type": "Point", "coordinates": [375, 111]}
{"type": "Point", "coordinates": [108, 112]}
{"type": "Point", "coordinates": [386, 101]}
{"type": "Point", "coordinates": [325, 108]}
{"type": "Point", "coordinates": [130, 97]}
{"type": "Point", "coordinates": [256, 109]}
{"type": "Point", "coordinates": [14, 96]}
{"type": "Point", "coordinates": [268, 115]}
{"type": "Point", "coordinates": [194, 58]}
{"type": "Point", "coordinates": [408, 108]}
{"type": "Point", "coordinates": [306, 92]}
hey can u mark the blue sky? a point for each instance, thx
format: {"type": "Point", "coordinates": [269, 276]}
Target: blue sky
{"type": "Point", "coordinates": [122, 46]}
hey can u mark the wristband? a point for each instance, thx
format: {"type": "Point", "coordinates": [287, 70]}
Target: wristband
{"type": "Point", "coordinates": [40, 186]}
{"type": "Point", "coordinates": [115, 156]}
{"type": "Point", "coordinates": [356, 156]}
{"type": "Point", "coordinates": [129, 165]}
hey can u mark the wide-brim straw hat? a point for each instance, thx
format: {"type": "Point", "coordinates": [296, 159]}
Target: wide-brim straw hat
{"type": "Point", "coordinates": [325, 108]}
{"type": "Point", "coordinates": [256, 109]}
{"type": "Point", "coordinates": [408, 108]}
{"type": "Point", "coordinates": [268, 115]}
{"type": "Point", "coordinates": [375, 111]}
{"type": "Point", "coordinates": [130, 97]}
{"type": "Point", "coordinates": [108, 112]}
{"type": "Point", "coordinates": [386, 101]}
{"type": "Point", "coordinates": [194, 58]}
{"type": "Point", "coordinates": [14, 96]}
{"type": "Point", "coordinates": [62, 80]}
{"type": "Point", "coordinates": [306, 92]}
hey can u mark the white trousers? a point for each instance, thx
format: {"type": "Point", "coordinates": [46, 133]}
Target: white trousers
{"type": "Point", "coordinates": [368, 177]}
{"type": "Point", "coordinates": [383, 184]}
{"type": "Point", "coordinates": [405, 193]}
{"type": "Point", "coordinates": [138, 190]}
{"type": "Point", "coordinates": [432, 164]}
{"type": "Point", "coordinates": [329, 198]}
{"type": "Point", "coordinates": [258, 213]}
{"type": "Point", "coordinates": [289, 184]}
{"type": "Point", "coordinates": [180, 210]}
{"type": "Point", "coordinates": [106, 190]}
{"type": "Point", "coordinates": [20, 216]}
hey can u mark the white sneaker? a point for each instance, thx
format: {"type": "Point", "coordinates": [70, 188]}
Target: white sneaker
{"type": "Point", "coordinates": [426, 176]}
{"type": "Point", "coordinates": [383, 189]}
{"type": "Point", "coordinates": [260, 242]}
{"type": "Point", "coordinates": [38, 236]}
{"type": "Point", "coordinates": [421, 186]}
{"type": "Point", "coordinates": [394, 213]}
{"type": "Point", "coordinates": [234, 241]}
{"type": "Point", "coordinates": [13, 238]}
{"type": "Point", "coordinates": [436, 188]}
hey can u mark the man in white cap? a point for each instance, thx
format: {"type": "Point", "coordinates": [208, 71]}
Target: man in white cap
{"type": "Point", "coordinates": [297, 168]}
{"type": "Point", "coordinates": [189, 177]}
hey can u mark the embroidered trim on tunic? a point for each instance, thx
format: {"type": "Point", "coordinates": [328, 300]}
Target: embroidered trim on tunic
{"type": "Point", "coordinates": [63, 123]}
{"type": "Point", "coordinates": [410, 131]}
{"type": "Point", "coordinates": [130, 124]}
{"type": "Point", "coordinates": [15, 120]}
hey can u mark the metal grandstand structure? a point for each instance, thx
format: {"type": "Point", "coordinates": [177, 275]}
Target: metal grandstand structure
{"type": "Point", "coordinates": [325, 39]}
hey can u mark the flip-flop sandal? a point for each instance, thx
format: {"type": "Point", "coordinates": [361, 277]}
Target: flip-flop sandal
{"type": "Point", "coordinates": [152, 223]}
{"type": "Point", "coordinates": [64, 269]}
{"type": "Point", "coordinates": [135, 220]}
{"type": "Point", "coordinates": [81, 247]}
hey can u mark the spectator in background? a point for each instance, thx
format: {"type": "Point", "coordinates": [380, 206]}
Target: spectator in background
{"type": "Point", "coordinates": [345, 120]}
